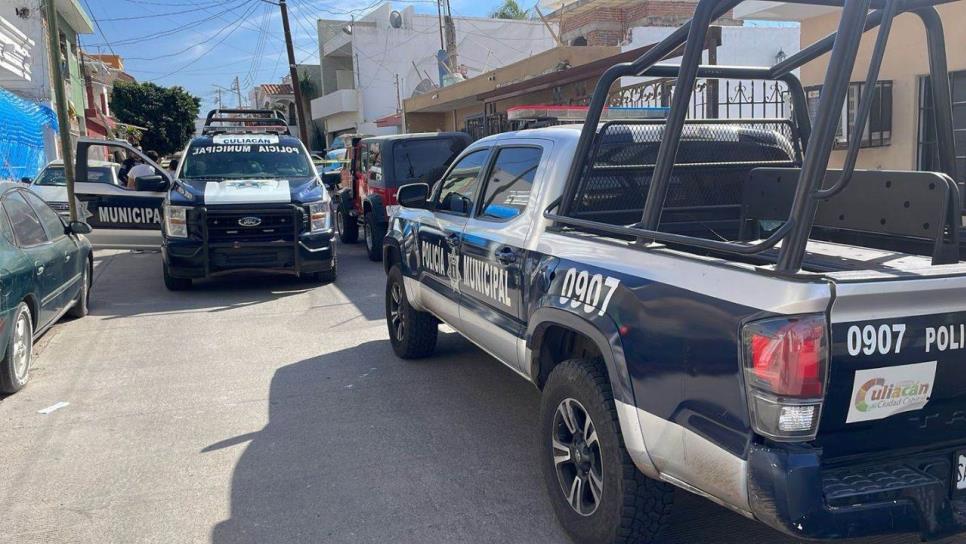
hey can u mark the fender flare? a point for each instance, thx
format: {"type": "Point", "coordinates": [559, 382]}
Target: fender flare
{"type": "Point", "coordinates": [378, 208]}
{"type": "Point", "coordinates": [601, 330]}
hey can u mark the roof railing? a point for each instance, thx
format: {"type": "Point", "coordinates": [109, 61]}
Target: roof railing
{"type": "Point", "coordinates": [248, 121]}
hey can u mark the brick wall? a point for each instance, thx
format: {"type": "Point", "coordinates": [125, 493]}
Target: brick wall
{"type": "Point", "coordinates": [609, 25]}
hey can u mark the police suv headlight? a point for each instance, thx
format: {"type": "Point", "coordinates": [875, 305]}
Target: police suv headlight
{"type": "Point", "coordinates": [319, 216]}
{"type": "Point", "coordinates": [176, 221]}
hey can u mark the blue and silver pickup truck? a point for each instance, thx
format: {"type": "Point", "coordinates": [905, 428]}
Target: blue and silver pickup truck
{"type": "Point", "coordinates": [705, 305]}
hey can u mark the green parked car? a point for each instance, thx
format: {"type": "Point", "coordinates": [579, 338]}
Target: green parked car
{"type": "Point", "coordinates": [46, 270]}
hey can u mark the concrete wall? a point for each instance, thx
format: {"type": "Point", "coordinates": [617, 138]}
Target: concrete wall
{"type": "Point", "coordinates": [905, 61]}
{"type": "Point", "coordinates": [609, 25]}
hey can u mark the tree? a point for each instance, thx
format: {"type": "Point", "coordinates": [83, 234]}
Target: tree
{"type": "Point", "coordinates": [168, 114]}
{"type": "Point", "coordinates": [509, 10]}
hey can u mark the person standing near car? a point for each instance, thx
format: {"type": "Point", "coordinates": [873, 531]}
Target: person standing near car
{"type": "Point", "coordinates": [142, 169]}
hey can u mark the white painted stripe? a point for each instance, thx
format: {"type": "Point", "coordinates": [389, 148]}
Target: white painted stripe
{"type": "Point", "coordinates": [263, 191]}
{"type": "Point", "coordinates": [53, 408]}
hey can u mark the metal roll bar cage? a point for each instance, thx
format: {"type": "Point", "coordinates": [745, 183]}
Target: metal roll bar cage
{"type": "Point", "coordinates": [817, 140]}
{"type": "Point", "coordinates": [245, 120]}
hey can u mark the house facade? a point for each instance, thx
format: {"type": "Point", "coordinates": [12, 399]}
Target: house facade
{"type": "Point", "coordinates": [370, 65]}
{"type": "Point", "coordinates": [900, 132]}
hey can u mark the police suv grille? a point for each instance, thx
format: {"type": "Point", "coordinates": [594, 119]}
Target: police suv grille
{"type": "Point", "coordinates": [252, 226]}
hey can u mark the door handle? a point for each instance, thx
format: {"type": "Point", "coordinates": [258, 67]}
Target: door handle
{"type": "Point", "coordinates": [67, 256]}
{"type": "Point", "coordinates": [506, 255]}
{"type": "Point", "coordinates": [40, 269]}
{"type": "Point", "coordinates": [453, 239]}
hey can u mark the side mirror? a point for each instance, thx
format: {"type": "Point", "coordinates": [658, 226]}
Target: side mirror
{"type": "Point", "coordinates": [413, 195]}
{"type": "Point", "coordinates": [28, 181]}
{"type": "Point", "coordinates": [154, 184]}
{"type": "Point", "coordinates": [79, 227]}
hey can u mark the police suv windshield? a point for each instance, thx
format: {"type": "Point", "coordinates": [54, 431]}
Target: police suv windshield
{"type": "Point", "coordinates": [241, 157]}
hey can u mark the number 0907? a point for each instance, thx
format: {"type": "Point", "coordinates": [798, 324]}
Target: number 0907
{"type": "Point", "coordinates": [584, 290]}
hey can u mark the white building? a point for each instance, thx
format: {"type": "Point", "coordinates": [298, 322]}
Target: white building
{"type": "Point", "coordinates": [369, 65]}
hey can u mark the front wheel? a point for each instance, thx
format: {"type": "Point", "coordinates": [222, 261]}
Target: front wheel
{"type": "Point", "coordinates": [346, 226]}
{"type": "Point", "coordinates": [375, 232]}
{"type": "Point", "coordinates": [175, 284]}
{"type": "Point", "coordinates": [598, 494]}
{"type": "Point", "coordinates": [412, 333]}
{"type": "Point", "coordinates": [15, 365]}
{"type": "Point", "coordinates": [81, 306]}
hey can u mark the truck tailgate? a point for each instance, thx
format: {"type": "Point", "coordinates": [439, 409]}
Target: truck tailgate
{"type": "Point", "coordinates": [897, 372]}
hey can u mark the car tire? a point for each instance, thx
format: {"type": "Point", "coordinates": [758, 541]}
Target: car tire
{"type": "Point", "coordinates": [324, 276]}
{"type": "Point", "coordinates": [412, 333]}
{"type": "Point", "coordinates": [614, 502]}
{"type": "Point", "coordinates": [374, 235]}
{"type": "Point", "coordinates": [81, 306]}
{"type": "Point", "coordinates": [15, 364]}
{"type": "Point", "coordinates": [175, 284]}
{"type": "Point", "coordinates": [346, 225]}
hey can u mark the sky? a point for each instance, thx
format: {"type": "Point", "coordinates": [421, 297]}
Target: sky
{"type": "Point", "coordinates": [205, 44]}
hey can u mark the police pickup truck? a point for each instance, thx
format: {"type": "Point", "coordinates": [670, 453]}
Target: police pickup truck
{"type": "Point", "coordinates": [245, 196]}
{"type": "Point", "coordinates": [705, 305]}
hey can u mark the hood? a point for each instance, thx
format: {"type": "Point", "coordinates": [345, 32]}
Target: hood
{"type": "Point", "coordinates": [254, 191]}
{"type": "Point", "coordinates": [50, 193]}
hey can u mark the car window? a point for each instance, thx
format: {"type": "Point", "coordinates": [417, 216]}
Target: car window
{"type": "Point", "coordinates": [459, 186]}
{"type": "Point", "coordinates": [52, 222]}
{"type": "Point", "coordinates": [54, 176]}
{"type": "Point", "coordinates": [508, 187]}
{"type": "Point", "coordinates": [424, 159]}
{"type": "Point", "coordinates": [26, 225]}
{"type": "Point", "coordinates": [5, 229]}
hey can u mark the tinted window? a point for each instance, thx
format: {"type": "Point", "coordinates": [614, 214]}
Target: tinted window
{"type": "Point", "coordinates": [50, 219]}
{"type": "Point", "coordinates": [5, 229]}
{"type": "Point", "coordinates": [54, 176]}
{"type": "Point", "coordinates": [282, 160]}
{"type": "Point", "coordinates": [459, 187]}
{"type": "Point", "coordinates": [424, 160]}
{"type": "Point", "coordinates": [26, 224]}
{"type": "Point", "coordinates": [508, 187]}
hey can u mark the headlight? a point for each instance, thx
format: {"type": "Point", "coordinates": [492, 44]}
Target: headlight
{"type": "Point", "coordinates": [176, 221]}
{"type": "Point", "coordinates": [319, 216]}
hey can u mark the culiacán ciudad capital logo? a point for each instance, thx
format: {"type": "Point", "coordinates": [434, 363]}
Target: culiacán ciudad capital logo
{"type": "Point", "coordinates": [878, 393]}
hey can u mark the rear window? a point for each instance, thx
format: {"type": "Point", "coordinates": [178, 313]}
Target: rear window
{"type": "Point", "coordinates": [231, 160]}
{"type": "Point", "coordinates": [424, 159]}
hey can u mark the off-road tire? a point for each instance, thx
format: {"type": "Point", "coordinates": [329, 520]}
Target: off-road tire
{"type": "Point", "coordinates": [11, 380]}
{"type": "Point", "coordinates": [81, 306]}
{"type": "Point", "coordinates": [374, 234]}
{"type": "Point", "coordinates": [632, 508]}
{"type": "Point", "coordinates": [175, 284]}
{"type": "Point", "coordinates": [417, 338]}
{"type": "Point", "coordinates": [346, 225]}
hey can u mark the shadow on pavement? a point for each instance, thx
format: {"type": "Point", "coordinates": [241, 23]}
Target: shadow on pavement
{"type": "Point", "coordinates": [363, 447]}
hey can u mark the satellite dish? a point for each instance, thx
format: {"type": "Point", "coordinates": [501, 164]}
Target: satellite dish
{"type": "Point", "coordinates": [424, 86]}
{"type": "Point", "coordinates": [395, 19]}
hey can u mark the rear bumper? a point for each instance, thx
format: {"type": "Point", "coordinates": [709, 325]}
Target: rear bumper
{"type": "Point", "coordinates": [792, 492]}
{"type": "Point", "coordinates": [312, 252]}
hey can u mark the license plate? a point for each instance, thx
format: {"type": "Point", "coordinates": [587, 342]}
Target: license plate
{"type": "Point", "coordinates": [959, 472]}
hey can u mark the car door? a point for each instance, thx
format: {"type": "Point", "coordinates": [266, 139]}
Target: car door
{"type": "Point", "coordinates": [439, 236]}
{"type": "Point", "coordinates": [33, 240]}
{"type": "Point", "coordinates": [122, 218]}
{"type": "Point", "coordinates": [493, 304]}
{"type": "Point", "coordinates": [67, 262]}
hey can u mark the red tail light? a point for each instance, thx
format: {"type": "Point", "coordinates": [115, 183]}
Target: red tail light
{"type": "Point", "coordinates": [788, 356]}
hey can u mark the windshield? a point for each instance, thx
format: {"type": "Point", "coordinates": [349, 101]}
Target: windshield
{"type": "Point", "coordinates": [334, 160]}
{"type": "Point", "coordinates": [425, 158]}
{"type": "Point", "coordinates": [211, 160]}
{"type": "Point", "coordinates": [54, 176]}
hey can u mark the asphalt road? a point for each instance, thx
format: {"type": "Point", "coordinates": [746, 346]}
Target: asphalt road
{"type": "Point", "coordinates": [262, 409]}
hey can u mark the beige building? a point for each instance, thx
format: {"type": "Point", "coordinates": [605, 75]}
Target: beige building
{"type": "Point", "coordinates": [899, 135]}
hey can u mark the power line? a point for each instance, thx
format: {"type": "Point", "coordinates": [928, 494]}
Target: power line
{"type": "Point", "coordinates": [153, 15]}
{"type": "Point", "coordinates": [174, 30]}
{"type": "Point", "coordinates": [98, 26]}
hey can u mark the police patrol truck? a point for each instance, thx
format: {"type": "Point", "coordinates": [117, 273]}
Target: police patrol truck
{"type": "Point", "coordinates": [245, 196]}
{"type": "Point", "coordinates": [707, 306]}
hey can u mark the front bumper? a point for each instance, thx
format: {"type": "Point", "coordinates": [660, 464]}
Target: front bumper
{"type": "Point", "coordinates": [792, 491]}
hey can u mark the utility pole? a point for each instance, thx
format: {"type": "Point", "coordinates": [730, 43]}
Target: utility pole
{"type": "Point", "coordinates": [398, 100]}
{"type": "Point", "coordinates": [218, 98]}
{"type": "Point", "coordinates": [293, 69]}
{"type": "Point", "coordinates": [60, 97]}
{"type": "Point", "coordinates": [237, 87]}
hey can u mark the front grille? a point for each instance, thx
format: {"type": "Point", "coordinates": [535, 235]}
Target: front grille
{"type": "Point", "coordinates": [228, 226]}
{"type": "Point", "coordinates": [59, 206]}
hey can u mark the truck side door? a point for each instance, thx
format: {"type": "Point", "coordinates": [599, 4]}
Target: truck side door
{"type": "Point", "coordinates": [122, 218]}
{"type": "Point", "coordinates": [493, 255]}
{"type": "Point", "coordinates": [440, 235]}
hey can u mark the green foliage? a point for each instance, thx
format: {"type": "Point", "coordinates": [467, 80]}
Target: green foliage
{"type": "Point", "coordinates": [168, 114]}
{"type": "Point", "coordinates": [509, 10]}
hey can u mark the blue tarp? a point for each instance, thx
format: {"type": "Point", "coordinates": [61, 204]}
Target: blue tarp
{"type": "Point", "coordinates": [22, 136]}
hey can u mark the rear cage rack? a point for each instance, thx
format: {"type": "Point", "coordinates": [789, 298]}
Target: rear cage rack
{"type": "Point", "coordinates": [245, 121]}
{"type": "Point", "coordinates": [815, 182]}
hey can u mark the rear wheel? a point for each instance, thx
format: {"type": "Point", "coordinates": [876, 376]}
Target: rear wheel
{"type": "Point", "coordinates": [412, 333]}
{"type": "Point", "coordinates": [597, 492]}
{"type": "Point", "coordinates": [346, 225]}
{"type": "Point", "coordinates": [375, 232]}
{"type": "Point", "coordinates": [175, 284]}
{"type": "Point", "coordinates": [15, 365]}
